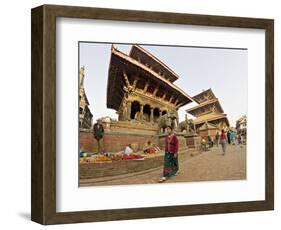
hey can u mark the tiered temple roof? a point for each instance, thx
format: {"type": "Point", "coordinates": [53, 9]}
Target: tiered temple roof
{"type": "Point", "coordinates": [144, 57]}
{"type": "Point", "coordinates": [205, 107]}
{"type": "Point", "coordinates": [146, 74]}
{"type": "Point", "coordinates": [211, 117]}
{"type": "Point", "coordinates": [204, 96]}
{"type": "Point", "coordinates": [208, 109]}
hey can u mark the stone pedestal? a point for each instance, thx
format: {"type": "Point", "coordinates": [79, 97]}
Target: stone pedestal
{"type": "Point", "coordinates": [192, 140]}
{"type": "Point", "coordinates": [118, 135]}
{"type": "Point", "coordinates": [182, 142]}
{"type": "Point", "coordinates": [161, 138]}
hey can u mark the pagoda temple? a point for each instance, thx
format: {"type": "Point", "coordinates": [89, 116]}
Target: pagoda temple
{"type": "Point", "coordinates": [208, 111]}
{"type": "Point", "coordinates": [85, 115]}
{"type": "Point", "coordinates": [141, 87]}
{"type": "Point", "coordinates": [141, 90]}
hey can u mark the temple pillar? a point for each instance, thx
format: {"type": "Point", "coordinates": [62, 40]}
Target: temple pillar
{"type": "Point", "coordinates": [141, 112]}
{"type": "Point", "coordinates": [145, 87]}
{"type": "Point", "coordinates": [151, 114]}
{"type": "Point", "coordinates": [129, 109]}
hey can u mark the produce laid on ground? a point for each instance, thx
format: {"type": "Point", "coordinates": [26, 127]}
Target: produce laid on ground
{"type": "Point", "coordinates": [95, 159]}
{"type": "Point", "coordinates": [88, 158]}
{"type": "Point", "coordinates": [132, 157]}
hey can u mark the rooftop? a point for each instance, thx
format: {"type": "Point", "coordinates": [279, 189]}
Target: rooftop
{"type": "Point", "coordinates": [214, 102]}
{"type": "Point", "coordinates": [146, 58]}
{"type": "Point", "coordinates": [204, 95]}
{"type": "Point", "coordinates": [209, 117]}
{"type": "Point", "coordinates": [120, 63]}
{"type": "Point", "coordinates": [207, 126]}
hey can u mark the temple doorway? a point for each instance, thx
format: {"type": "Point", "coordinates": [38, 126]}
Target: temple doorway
{"type": "Point", "coordinates": [146, 112]}
{"type": "Point", "coordinates": [156, 114]}
{"type": "Point", "coordinates": [135, 110]}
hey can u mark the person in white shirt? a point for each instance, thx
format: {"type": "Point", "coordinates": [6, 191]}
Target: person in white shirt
{"type": "Point", "coordinates": [128, 150]}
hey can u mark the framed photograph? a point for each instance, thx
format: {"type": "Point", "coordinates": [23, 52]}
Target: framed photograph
{"type": "Point", "coordinates": [139, 114]}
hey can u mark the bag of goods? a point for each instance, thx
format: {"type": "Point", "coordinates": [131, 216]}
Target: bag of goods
{"type": "Point", "coordinates": [150, 150]}
{"type": "Point", "coordinates": [87, 160]}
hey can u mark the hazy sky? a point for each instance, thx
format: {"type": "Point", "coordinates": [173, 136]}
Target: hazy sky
{"type": "Point", "coordinates": [223, 70]}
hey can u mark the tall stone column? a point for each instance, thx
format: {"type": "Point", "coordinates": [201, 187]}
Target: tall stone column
{"type": "Point", "coordinates": [141, 112]}
{"type": "Point", "coordinates": [151, 115]}
{"type": "Point", "coordinates": [129, 108]}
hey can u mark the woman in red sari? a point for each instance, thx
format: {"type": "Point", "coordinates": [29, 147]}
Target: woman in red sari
{"type": "Point", "coordinates": [171, 164]}
{"type": "Point", "coordinates": [223, 140]}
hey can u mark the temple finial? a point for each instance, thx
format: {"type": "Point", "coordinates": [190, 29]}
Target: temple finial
{"type": "Point", "coordinates": [82, 76]}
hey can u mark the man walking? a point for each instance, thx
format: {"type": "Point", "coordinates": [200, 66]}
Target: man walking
{"type": "Point", "coordinates": [228, 137]}
{"type": "Point", "coordinates": [98, 134]}
{"type": "Point", "coordinates": [217, 139]}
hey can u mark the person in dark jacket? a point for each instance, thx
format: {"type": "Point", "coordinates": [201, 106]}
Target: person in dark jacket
{"type": "Point", "coordinates": [228, 137]}
{"type": "Point", "coordinates": [217, 139]}
{"type": "Point", "coordinates": [171, 164]}
{"type": "Point", "coordinates": [98, 132]}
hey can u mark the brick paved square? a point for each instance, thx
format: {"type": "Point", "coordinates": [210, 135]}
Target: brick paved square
{"type": "Point", "coordinates": [208, 166]}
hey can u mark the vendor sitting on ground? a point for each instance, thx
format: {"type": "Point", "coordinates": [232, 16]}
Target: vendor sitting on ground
{"type": "Point", "coordinates": [128, 150]}
{"type": "Point", "coordinates": [127, 154]}
{"type": "Point", "coordinates": [150, 148]}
